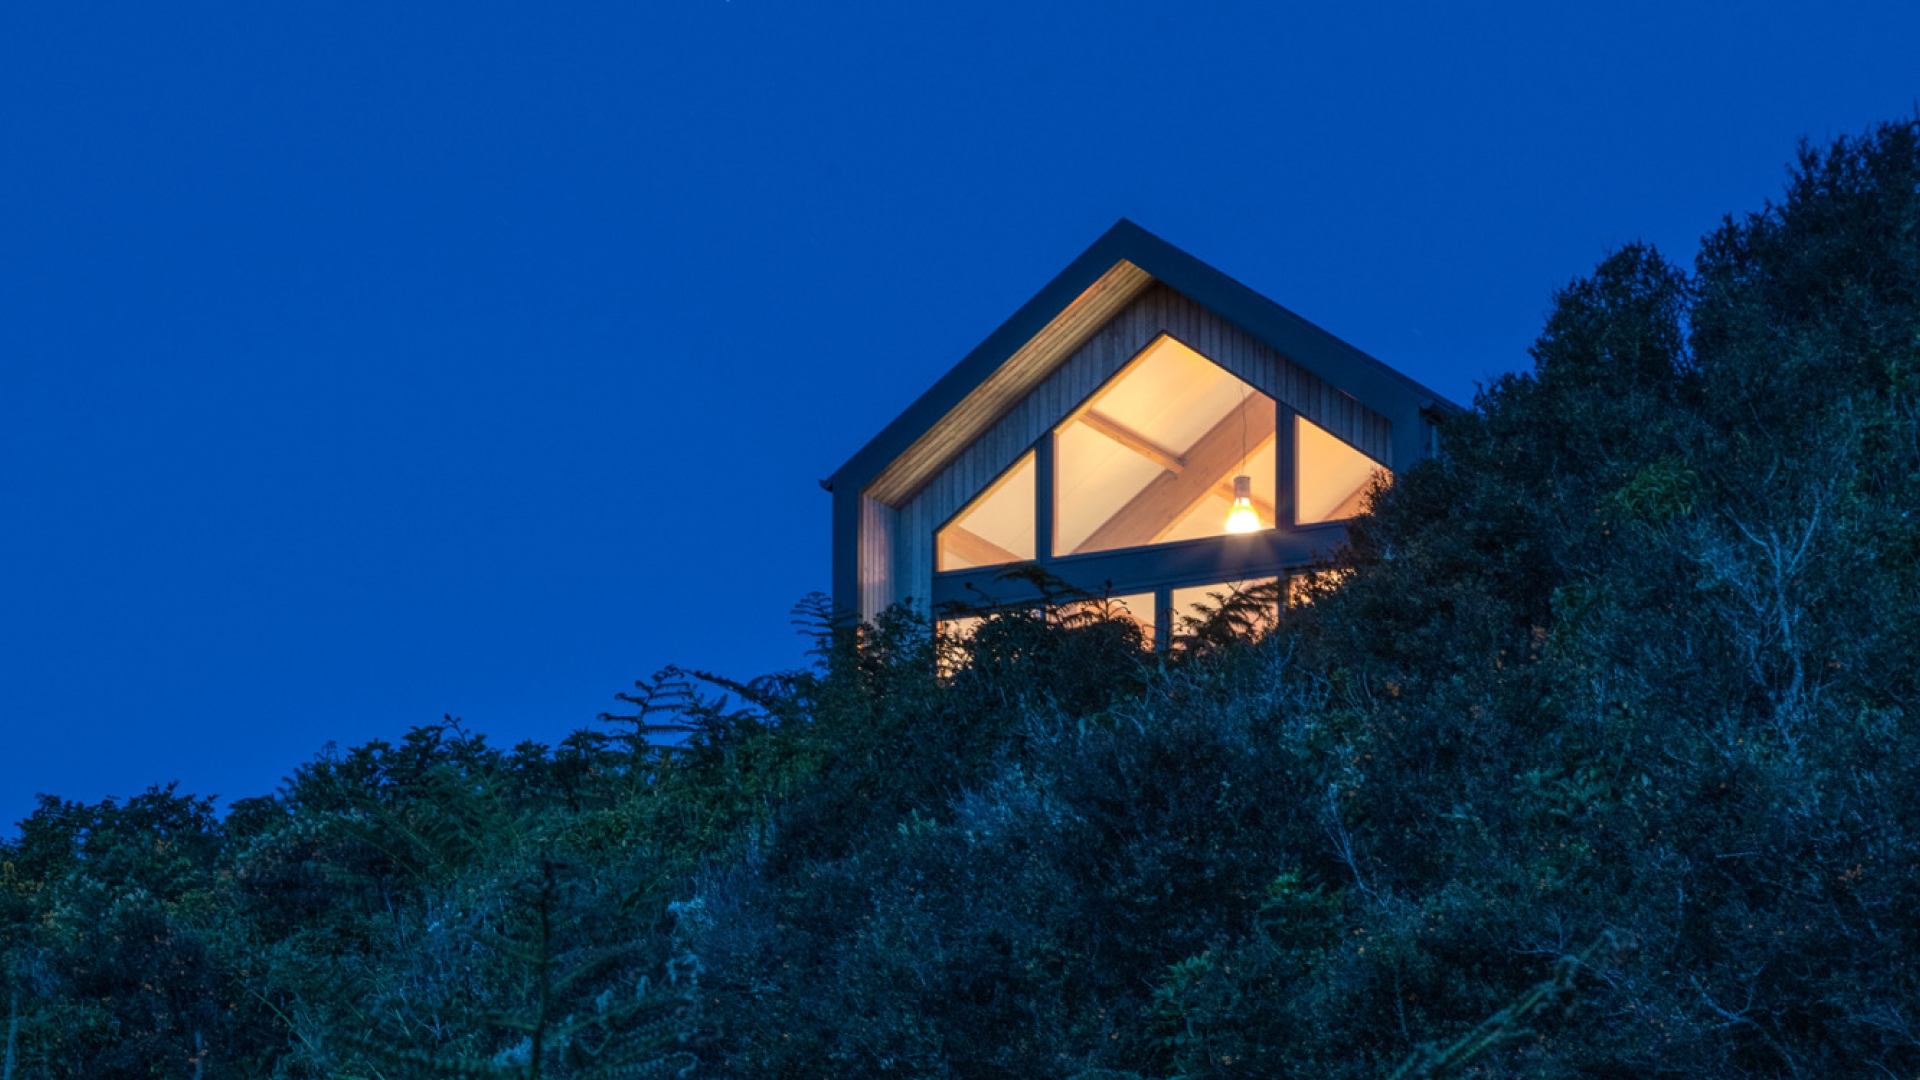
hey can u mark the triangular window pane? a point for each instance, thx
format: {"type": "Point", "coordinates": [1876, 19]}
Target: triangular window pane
{"type": "Point", "coordinates": [1333, 477]}
{"type": "Point", "coordinates": [1255, 604]}
{"type": "Point", "coordinates": [996, 527]}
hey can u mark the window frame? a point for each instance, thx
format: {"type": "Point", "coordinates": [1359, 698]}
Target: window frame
{"type": "Point", "coordinates": [1282, 550]}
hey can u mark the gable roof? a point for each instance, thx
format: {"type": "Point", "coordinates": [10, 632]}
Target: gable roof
{"type": "Point", "coordinates": [1014, 359]}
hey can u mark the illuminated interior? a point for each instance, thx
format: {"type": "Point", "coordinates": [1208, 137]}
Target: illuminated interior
{"type": "Point", "coordinates": [1172, 448]}
{"type": "Point", "coordinates": [1193, 604]}
{"type": "Point", "coordinates": [1135, 606]}
{"type": "Point", "coordinates": [957, 631]}
{"type": "Point", "coordinates": [1152, 458]}
{"type": "Point", "coordinates": [1307, 586]}
{"type": "Point", "coordinates": [996, 527]}
{"type": "Point", "coordinates": [1139, 608]}
{"type": "Point", "coordinates": [1333, 478]}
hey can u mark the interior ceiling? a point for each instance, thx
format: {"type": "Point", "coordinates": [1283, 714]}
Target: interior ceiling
{"type": "Point", "coordinates": [1171, 395]}
{"type": "Point", "coordinates": [1150, 419]}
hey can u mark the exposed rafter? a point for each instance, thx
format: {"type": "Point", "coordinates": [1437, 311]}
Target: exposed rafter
{"type": "Point", "coordinates": [1169, 497]}
{"type": "Point", "coordinates": [973, 549]}
{"type": "Point", "coordinates": [1133, 440]}
{"type": "Point", "coordinates": [1163, 457]}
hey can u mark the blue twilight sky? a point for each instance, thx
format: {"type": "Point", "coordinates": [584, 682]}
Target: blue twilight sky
{"type": "Point", "coordinates": [361, 363]}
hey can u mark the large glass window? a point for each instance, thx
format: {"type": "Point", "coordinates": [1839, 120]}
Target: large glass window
{"type": "Point", "coordinates": [996, 527]}
{"type": "Point", "coordinates": [1153, 457]}
{"type": "Point", "coordinates": [1173, 447]}
{"type": "Point", "coordinates": [1333, 478]}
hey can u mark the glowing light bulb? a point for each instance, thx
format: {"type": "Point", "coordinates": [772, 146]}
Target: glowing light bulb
{"type": "Point", "coordinates": [1242, 518]}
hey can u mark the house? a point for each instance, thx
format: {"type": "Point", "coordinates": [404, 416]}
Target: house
{"type": "Point", "coordinates": [1145, 428]}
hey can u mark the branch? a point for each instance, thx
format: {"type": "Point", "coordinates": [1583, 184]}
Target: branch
{"type": "Point", "coordinates": [1430, 1061]}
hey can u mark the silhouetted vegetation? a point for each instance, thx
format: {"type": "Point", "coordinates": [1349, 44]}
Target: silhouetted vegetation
{"type": "Point", "coordinates": [1627, 675]}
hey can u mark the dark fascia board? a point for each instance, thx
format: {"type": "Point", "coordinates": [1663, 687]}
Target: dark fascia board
{"type": "Point", "coordinates": [1371, 382]}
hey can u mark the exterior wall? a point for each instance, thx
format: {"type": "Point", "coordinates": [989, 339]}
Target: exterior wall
{"type": "Point", "coordinates": [879, 524]}
{"type": "Point", "coordinates": [1012, 380]}
{"type": "Point", "coordinates": [896, 542]}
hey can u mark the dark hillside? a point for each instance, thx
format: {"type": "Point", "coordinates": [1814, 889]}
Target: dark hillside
{"type": "Point", "coordinates": [1628, 673]}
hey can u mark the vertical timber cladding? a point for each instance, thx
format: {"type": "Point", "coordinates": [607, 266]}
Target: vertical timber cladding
{"type": "Point", "coordinates": [878, 525]}
{"type": "Point", "coordinates": [908, 572]}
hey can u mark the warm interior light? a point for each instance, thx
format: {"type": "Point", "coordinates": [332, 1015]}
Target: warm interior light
{"type": "Point", "coordinates": [1242, 518]}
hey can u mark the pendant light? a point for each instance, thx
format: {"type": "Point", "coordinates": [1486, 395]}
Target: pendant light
{"type": "Point", "coordinates": [1241, 517]}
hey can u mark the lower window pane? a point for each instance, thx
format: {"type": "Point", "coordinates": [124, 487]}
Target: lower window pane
{"type": "Point", "coordinates": [1252, 605]}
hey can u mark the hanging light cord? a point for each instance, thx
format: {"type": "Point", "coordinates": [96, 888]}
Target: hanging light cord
{"type": "Point", "coordinates": [1243, 425]}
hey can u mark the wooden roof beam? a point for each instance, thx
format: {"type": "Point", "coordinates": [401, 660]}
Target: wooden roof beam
{"type": "Point", "coordinates": [973, 548]}
{"type": "Point", "coordinates": [1167, 498]}
{"type": "Point", "coordinates": [1133, 440]}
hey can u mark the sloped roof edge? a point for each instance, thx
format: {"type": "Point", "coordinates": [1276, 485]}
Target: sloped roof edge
{"type": "Point", "coordinates": [1127, 245]}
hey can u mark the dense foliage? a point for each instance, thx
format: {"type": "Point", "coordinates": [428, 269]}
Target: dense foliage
{"type": "Point", "coordinates": [1628, 672]}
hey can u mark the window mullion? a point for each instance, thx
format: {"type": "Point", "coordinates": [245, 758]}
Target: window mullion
{"type": "Point", "coordinates": [1043, 511]}
{"type": "Point", "coordinates": [1286, 442]}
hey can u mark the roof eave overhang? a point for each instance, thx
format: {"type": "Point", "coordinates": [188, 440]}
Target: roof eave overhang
{"type": "Point", "coordinates": [1101, 273]}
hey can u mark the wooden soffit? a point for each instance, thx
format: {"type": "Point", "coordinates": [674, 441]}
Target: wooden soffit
{"type": "Point", "coordinates": [1026, 369]}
